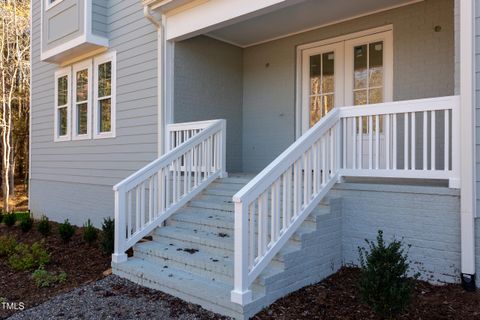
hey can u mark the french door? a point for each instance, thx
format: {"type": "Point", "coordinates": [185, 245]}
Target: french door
{"type": "Point", "coordinates": [355, 70]}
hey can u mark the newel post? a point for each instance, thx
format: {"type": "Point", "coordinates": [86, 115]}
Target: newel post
{"type": "Point", "coordinates": [241, 294]}
{"type": "Point", "coordinates": [119, 255]}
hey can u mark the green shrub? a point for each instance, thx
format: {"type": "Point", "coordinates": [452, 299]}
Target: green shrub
{"type": "Point", "coordinates": [27, 257]}
{"type": "Point", "coordinates": [66, 231]}
{"type": "Point", "coordinates": [44, 279]}
{"type": "Point", "coordinates": [1, 216]}
{"type": "Point", "coordinates": [384, 282]}
{"type": "Point", "coordinates": [22, 215]}
{"type": "Point", "coordinates": [26, 224]}
{"type": "Point", "coordinates": [9, 219]}
{"type": "Point", "coordinates": [44, 226]}
{"type": "Point", "coordinates": [7, 245]}
{"type": "Point", "coordinates": [89, 232]}
{"type": "Point", "coordinates": [108, 235]}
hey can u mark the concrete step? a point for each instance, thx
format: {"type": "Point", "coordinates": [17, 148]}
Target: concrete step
{"type": "Point", "coordinates": [210, 294]}
{"type": "Point", "coordinates": [215, 266]}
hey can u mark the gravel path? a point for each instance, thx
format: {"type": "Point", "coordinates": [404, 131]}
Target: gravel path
{"type": "Point", "coordinates": [115, 298]}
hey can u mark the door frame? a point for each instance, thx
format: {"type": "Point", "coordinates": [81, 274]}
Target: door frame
{"type": "Point", "coordinates": [299, 94]}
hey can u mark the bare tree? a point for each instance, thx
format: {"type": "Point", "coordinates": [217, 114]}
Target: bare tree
{"type": "Point", "coordinates": [15, 74]}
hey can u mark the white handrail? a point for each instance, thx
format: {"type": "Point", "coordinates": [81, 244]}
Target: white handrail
{"type": "Point", "coordinates": [376, 140]}
{"type": "Point", "coordinates": [274, 204]}
{"type": "Point", "coordinates": [145, 199]}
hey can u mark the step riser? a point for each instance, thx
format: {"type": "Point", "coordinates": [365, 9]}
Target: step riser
{"type": "Point", "coordinates": [210, 271]}
{"type": "Point", "coordinates": [180, 292]}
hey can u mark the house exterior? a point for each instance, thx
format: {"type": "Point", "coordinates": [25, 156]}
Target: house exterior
{"type": "Point", "coordinates": [259, 141]}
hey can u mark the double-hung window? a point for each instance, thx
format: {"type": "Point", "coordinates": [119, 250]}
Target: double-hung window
{"type": "Point", "coordinates": [85, 99]}
{"type": "Point", "coordinates": [82, 100]}
{"type": "Point", "coordinates": [104, 96]}
{"type": "Point", "coordinates": [62, 105]}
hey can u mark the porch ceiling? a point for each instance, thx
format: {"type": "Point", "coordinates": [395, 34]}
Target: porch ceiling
{"type": "Point", "coordinates": [302, 16]}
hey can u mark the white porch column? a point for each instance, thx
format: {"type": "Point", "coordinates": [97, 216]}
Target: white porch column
{"type": "Point", "coordinates": [467, 138]}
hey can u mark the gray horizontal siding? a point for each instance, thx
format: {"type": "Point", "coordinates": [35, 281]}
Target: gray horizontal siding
{"type": "Point", "coordinates": [99, 17]}
{"type": "Point", "coordinates": [88, 169]}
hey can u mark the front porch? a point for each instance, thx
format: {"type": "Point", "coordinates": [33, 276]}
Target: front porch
{"type": "Point", "coordinates": [257, 84]}
{"type": "Point", "coordinates": [370, 96]}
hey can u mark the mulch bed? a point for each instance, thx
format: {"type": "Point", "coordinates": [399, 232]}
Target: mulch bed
{"type": "Point", "coordinates": [83, 263]}
{"type": "Point", "coordinates": [337, 298]}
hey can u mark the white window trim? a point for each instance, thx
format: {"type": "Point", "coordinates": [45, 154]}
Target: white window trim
{"type": "Point", "coordinates": [84, 65]}
{"type": "Point", "coordinates": [49, 5]}
{"type": "Point", "coordinates": [112, 57]}
{"type": "Point", "coordinates": [58, 74]}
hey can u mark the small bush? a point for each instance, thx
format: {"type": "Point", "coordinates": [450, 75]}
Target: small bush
{"type": "Point", "coordinates": [9, 219]}
{"type": "Point", "coordinates": [26, 224]}
{"type": "Point", "coordinates": [108, 235]}
{"type": "Point", "coordinates": [27, 257]}
{"type": "Point", "coordinates": [1, 216]}
{"type": "Point", "coordinates": [7, 245]}
{"type": "Point", "coordinates": [384, 282]}
{"type": "Point", "coordinates": [89, 232]}
{"type": "Point", "coordinates": [66, 231]}
{"type": "Point", "coordinates": [44, 226]}
{"type": "Point", "coordinates": [44, 279]}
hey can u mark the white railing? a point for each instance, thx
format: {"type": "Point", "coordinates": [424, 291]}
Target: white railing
{"type": "Point", "coordinates": [407, 139]}
{"type": "Point", "coordinates": [270, 208]}
{"type": "Point", "coordinates": [178, 133]}
{"type": "Point", "coordinates": [144, 200]}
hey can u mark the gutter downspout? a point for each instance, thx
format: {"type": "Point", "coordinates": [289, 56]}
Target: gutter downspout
{"type": "Point", "coordinates": [156, 19]}
{"type": "Point", "coordinates": [467, 137]}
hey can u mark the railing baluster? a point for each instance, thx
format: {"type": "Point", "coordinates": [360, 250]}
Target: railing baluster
{"type": "Point", "coordinates": [284, 201]}
{"type": "Point", "coordinates": [425, 140]}
{"type": "Point", "coordinates": [377, 142]}
{"type": "Point", "coordinates": [142, 204]}
{"type": "Point", "coordinates": [413, 166]}
{"type": "Point", "coordinates": [344, 142]}
{"type": "Point", "coordinates": [360, 147]}
{"type": "Point", "coordinates": [370, 142]}
{"type": "Point", "coordinates": [387, 141]}
{"type": "Point", "coordinates": [251, 211]}
{"type": "Point", "coordinates": [137, 209]}
{"type": "Point", "coordinates": [405, 141]}
{"type": "Point", "coordinates": [150, 199]}
{"type": "Point", "coordinates": [432, 146]}
{"type": "Point", "coordinates": [129, 214]}
{"type": "Point", "coordinates": [354, 152]}
{"type": "Point", "coordinates": [447, 141]}
{"type": "Point", "coordinates": [394, 142]}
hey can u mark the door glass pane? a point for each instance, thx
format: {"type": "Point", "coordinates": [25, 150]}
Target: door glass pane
{"type": "Point", "coordinates": [360, 67]}
{"type": "Point", "coordinates": [82, 85]}
{"type": "Point", "coordinates": [105, 115]}
{"type": "Point", "coordinates": [104, 79]}
{"type": "Point", "coordinates": [62, 121]}
{"type": "Point", "coordinates": [360, 97]}
{"type": "Point", "coordinates": [82, 118]}
{"type": "Point", "coordinates": [327, 103]}
{"type": "Point", "coordinates": [328, 71]}
{"type": "Point", "coordinates": [375, 77]}
{"type": "Point", "coordinates": [375, 95]}
{"type": "Point", "coordinates": [315, 109]}
{"type": "Point", "coordinates": [62, 84]}
{"type": "Point", "coordinates": [315, 72]}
